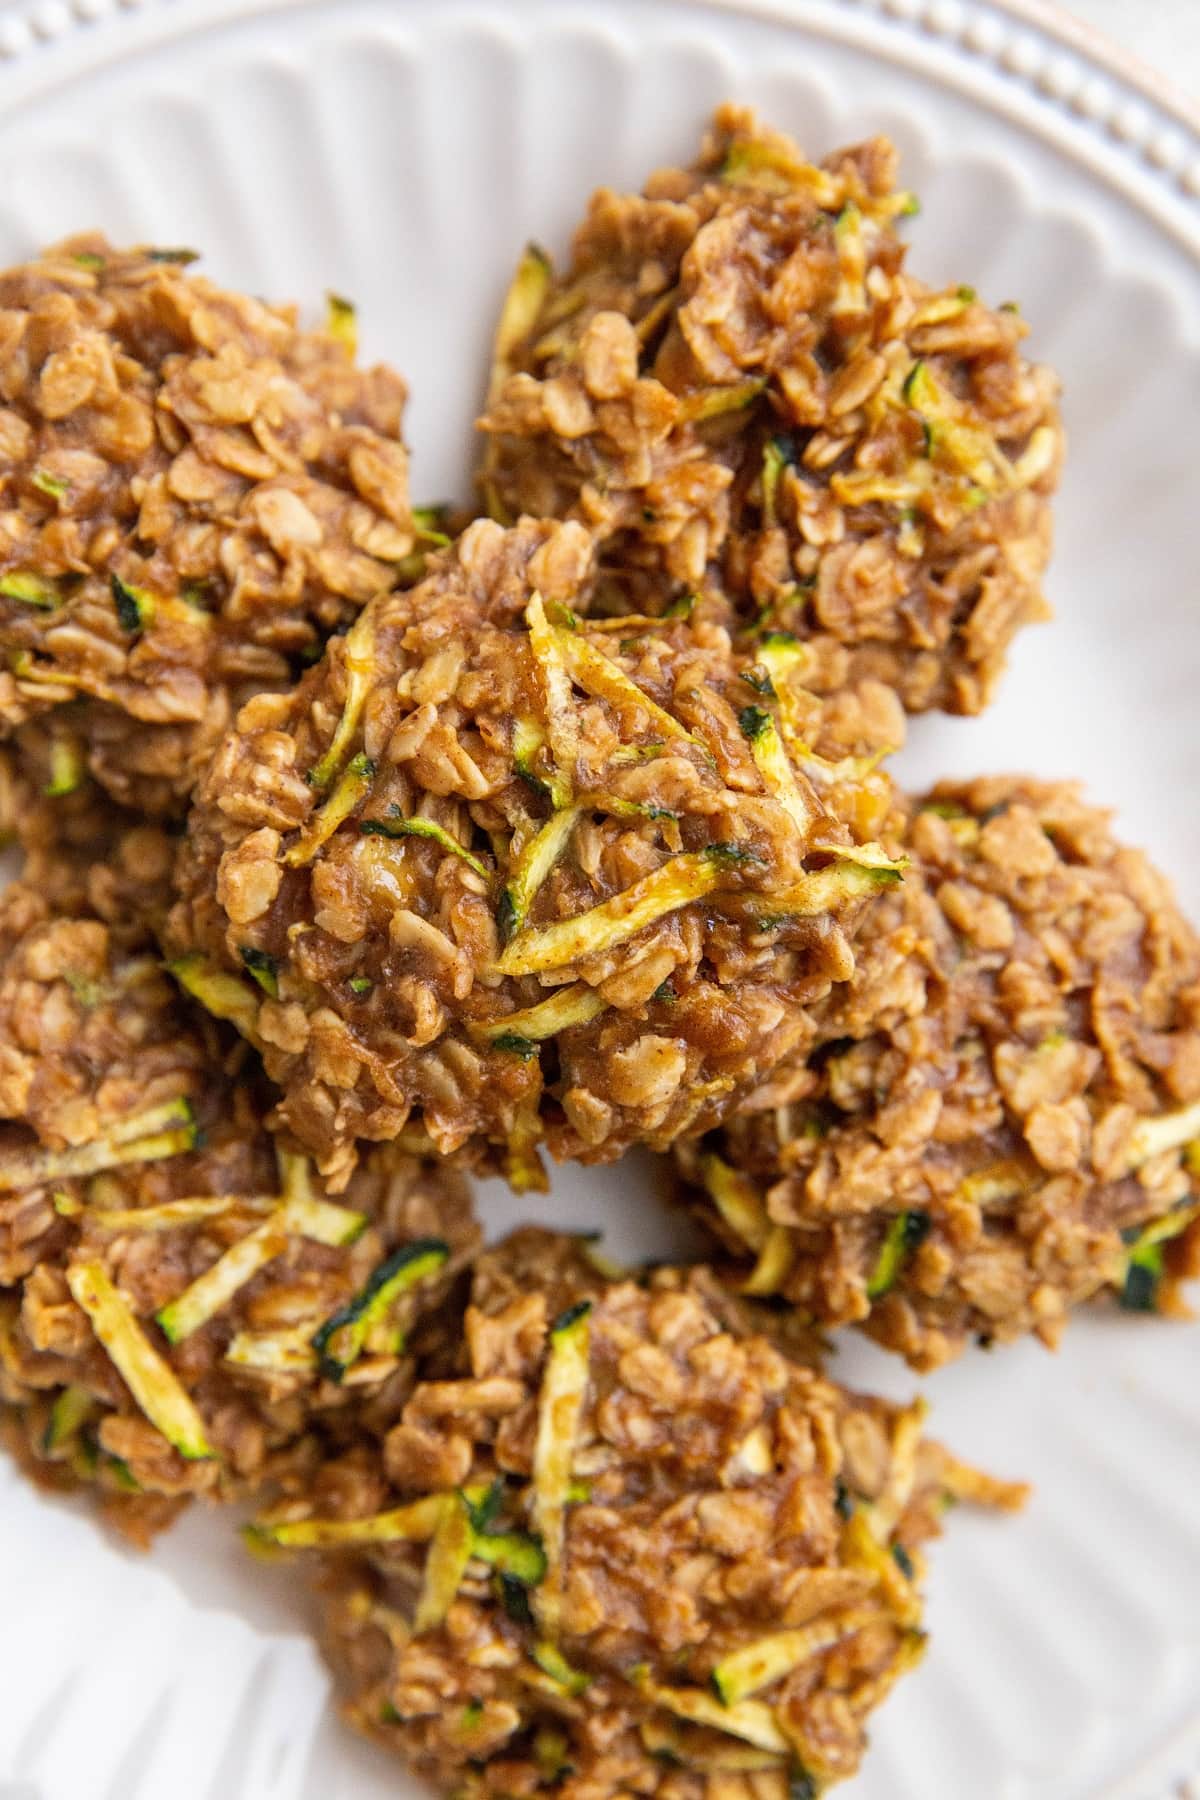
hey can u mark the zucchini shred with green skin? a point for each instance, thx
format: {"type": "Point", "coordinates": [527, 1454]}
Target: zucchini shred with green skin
{"type": "Point", "coordinates": [506, 806]}
{"type": "Point", "coordinates": [534, 1673]}
{"type": "Point", "coordinates": [341, 1339]}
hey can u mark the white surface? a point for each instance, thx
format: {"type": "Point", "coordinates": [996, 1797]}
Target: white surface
{"type": "Point", "coordinates": [1164, 33]}
{"type": "Point", "coordinates": [401, 152]}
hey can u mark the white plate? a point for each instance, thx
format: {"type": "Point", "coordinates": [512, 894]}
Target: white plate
{"type": "Point", "coordinates": [401, 152]}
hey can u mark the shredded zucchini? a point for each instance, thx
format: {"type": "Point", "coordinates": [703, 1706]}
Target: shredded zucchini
{"type": "Point", "coordinates": [598, 675]}
{"type": "Point", "coordinates": [827, 888]}
{"type": "Point", "coordinates": [513, 1596]}
{"type": "Point", "coordinates": [71, 1410]}
{"type": "Point", "coordinates": [219, 993]}
{"type": "Point", "coordinates": [551, 1661]}
{"type": "Point", "coordinates": [784, 657]}
{"type": "Point", "coordinates": [152, 1383]}
{"type": "Point", "coordinates": [1145, 1263]}
{"type": "Point", "coordinates": [186, 609]}
{"type": "Point", "coordinates": [677, 883]}
{"type": "Point", "coordinates": [910, 537]}
{"type": "Point", "coordinates": [30, 590]}
{"type": "Point", "coordinates": [136, 1127]}
{"type": "Point", "coordinates": [295, 1173]}
{"type": "Point", "coordinates": [211, 1291]}
{"type": "Point", "coordinates": [262, 967]}
{"type": "Point", "coordinates": [171, 1215]}
{"type": "Point", "coordinates": [343, 1337]}
{"type": "Point", "coordinates": [713, 402]}
{"type": "Point", "coordinates": [323, 1220]}
{"type": "Point", "coordinates": [527, 739]}
{"type": "Point", "coordinates": [861, 1549]}
{"type": "Point", "coordinates": [522, 1167]}
{"type": "Point", "coordinates": [341, 321]}
{"type": "Point", "coordinates": [560, 1409]}
{"type": "Point", "coordinates": [551, 1753]}
{"type": "Point", "coordinates": [162, 1131]}
{"type": "Point", "coordinates": [51, 485]}
{"type": "Point", "coordinates": [968, 447]}
{"type": "Point", "coordinates": [618, 807]}
{"type": "Point", "coordinates": [484, 1504]}
{"type": "Point", "coordinates": [737, 1199]}
{"type": "Point", "coordinates": [655, 315]}
{"type": "Point", "coordinates": [89, 993]}
{"type": "Point", "coordinates": [777, 456]}
{"type": "Point", "coordinates": [301, 1217]}
{"type": "Point", "coordinates": [570, 1006]}
{"type": "Point", "coordinates": [771, 761]}
{"type": "Point", "coordinates": [519, 314]}
{"type": "Point", "coordinates": [1154, 1135]}
{"type": "Point", "coordinates": [751, 1720]}
{"type": "Point", "coordinates": [992, 1186]}
{"type": "Point", "coordinates": [533, 868]}
{"type": "Point", "coordinates": [359, 653]}
{"type": "Point", "coordinates": [1166, 1131]}
{"type": "Point", "coordinates": [906, 1233]}
{"type": "Point", "coordinates": [864, 856]}
{"type": "Point", "coordinates": [672, 1744]}
{"type": "Point", "coordinates": [432, 524]}
{"type": "Point", "coordinates": [885, 1512]}
{"type": "Point", "coordinates": [1171, 1225]}
{"type": "Point", "coordinates": [941, 307]}
{"type": "Point", "coordinates": [754, 163]}
{"type": "Point", "coordinates": [349, 792]}
{"type": "Point", "coordinates": [470, 1718]}
{"type": "Point", "coordinates": [862, 487]}
{"type": "Point", "coordinates": [770, 1658]}
{"type": "Point", "coordinates": [426, 828]}
{"type": "Point", "coordinates": [285, 1352]}
{"type": "Point", "coordinates": [514, 1554]}
{"type": "Point", "coordinates": [412, 1524]}
{"type": "Point", "coordinates": [851, 244]}
{"type": "Point", "coordinates": [122, 1474]}
{"type": "Point", "coordinates": [546, 644]}
{"type": "Point", "coordinates": [67, 768]}
{"type": "Point", "coordinates": [449, 1553]}
{"type": "Point", "coordinates": [135, 607]}
{"type": "Point", "coordinates": [1037, 457]}
{"type": "Point", "coordinates": [774, 1264]}
{"type": "Point", "coordinates": [40, 674]}
{"type": "Point", "coordinates": [758, 679]}
{"type": "Point", "coordinates": [1144, 1269]}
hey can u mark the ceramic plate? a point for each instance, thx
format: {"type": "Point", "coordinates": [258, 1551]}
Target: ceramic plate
{"type": "Point", "coordinates": [401, 152]}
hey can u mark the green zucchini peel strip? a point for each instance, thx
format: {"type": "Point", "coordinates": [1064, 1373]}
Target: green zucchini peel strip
{"type": "Point", "coordinates": [301, 1216]}
{"type": "Point", "coordinates": [359, 653]}
{"type": "Point", "coordinates": [350, 790]}
{"type": "Point", "coordinates": [161, 1131]}
{"type": "Point", "coordinates": [149, 1379]}
{"type": "Point", "coordinates": [560, 1410]}
{"type": "Point", "coordinates": [343, 1337]}
{"type": "Point", "coordinates": [681, 880]}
